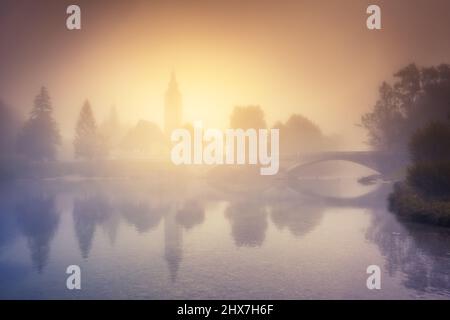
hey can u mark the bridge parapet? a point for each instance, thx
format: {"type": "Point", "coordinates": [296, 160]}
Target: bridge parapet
{"type": "Point", "coordinates": [382, 162]}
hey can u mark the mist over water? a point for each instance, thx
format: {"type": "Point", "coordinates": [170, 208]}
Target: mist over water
{"type": "Point", "coordinates": [191, 236]}
{"type": "Point", "coordinates": [359, 118]}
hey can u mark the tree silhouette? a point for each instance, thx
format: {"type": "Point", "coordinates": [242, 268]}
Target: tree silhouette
{"type": "Point", "coordinates": [417, 97]}
{"type": "Point", "coordinates": [299, 134]}
{"type": "Point", "coordinates": [145, 139]}
{"type": "Point", "coordinates": [430, 153]}
{"type": "Point", "coordinates": [40, 135]}
{"type": "Point", "coordinates": [248, 117]}
{"type": "Point", "coordinates": [88, 143]}
{"type": "Point", "coordinates": [431, 143]}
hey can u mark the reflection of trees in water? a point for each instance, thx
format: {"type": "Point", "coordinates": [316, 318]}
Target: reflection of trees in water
{"type": "Point", "coordinates": [98, 210]}
{"type": "Point", "coordinates": [190, 214]}
{"type": "Point", "coordinates": [87, 214]}
{"type": "Point", "coordinates": [110, 225]}
{"type": "Point", "coordinates": [295, 216]}
{"type": "Point", "coordinates": [38, 220]}
{"type": "Point", "coordinates": [248, 222]}
{"type": "Point", "coordinates": [421, 252]}
{"type": "Point", "coordinates": [8, 230]}
{"type": "Point", "coordinates": [248, 215]}
{"type": "Point", "coordinates": [141, 215]}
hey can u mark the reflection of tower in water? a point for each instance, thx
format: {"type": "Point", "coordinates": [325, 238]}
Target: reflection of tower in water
{"type": "Point", "coordinates": [173, 237]}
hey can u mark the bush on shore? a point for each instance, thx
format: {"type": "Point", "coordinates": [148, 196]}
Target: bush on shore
{"type": "Point", "coordinates": [431, 143]}
{"type": "Point", "coordinates": [431, 179]}
{"type": "Point", "coordinates": [408, 204]}
{"type": "Point", "coordinates": [425, 195]}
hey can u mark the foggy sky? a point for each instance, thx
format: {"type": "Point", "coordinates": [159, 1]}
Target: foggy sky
{"type": "Point", "coordinates": [316, 58]}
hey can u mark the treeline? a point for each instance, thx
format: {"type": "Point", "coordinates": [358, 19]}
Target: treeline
{"type": "Point", "coordinates": [298, 134]}
{"type": "Point", "coordinates": [417, 97]}
{"type": "Point", "coordinates": [39, 138]}
{"type": "Point", "coordinates": [25, 143]}
{"type": "Point", "coordinates": [424, 196]}
{"type": "Point", "coordinates": [412, 116]}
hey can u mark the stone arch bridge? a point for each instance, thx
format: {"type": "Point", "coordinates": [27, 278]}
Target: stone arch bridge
{"type": "Point", "coordinates": [382, 162]}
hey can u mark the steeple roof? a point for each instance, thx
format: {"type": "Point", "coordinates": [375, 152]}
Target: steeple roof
{"type": "Point", "coordinates": [173, 84]}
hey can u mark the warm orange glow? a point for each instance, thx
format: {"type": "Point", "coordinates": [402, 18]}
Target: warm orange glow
{"type": "Point", "coordinates": [303, 57]}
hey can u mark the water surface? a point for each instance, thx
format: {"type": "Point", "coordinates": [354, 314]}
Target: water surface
{"type": "Point", "coordinates": [187, 237]}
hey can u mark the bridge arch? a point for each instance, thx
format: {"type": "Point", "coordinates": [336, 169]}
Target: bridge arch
{"type": "Point", "coordinates": [381, 162]}
{"type": "Point", "coordinates": [297, 167]}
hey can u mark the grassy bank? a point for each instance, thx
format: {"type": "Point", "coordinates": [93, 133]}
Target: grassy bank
{"type": "Point", "coordinates": [411, 205]}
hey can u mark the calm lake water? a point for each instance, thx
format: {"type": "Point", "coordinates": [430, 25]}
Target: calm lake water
{"type": "Point", "coordinates": [215, 236]}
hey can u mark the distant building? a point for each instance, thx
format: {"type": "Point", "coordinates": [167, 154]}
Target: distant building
{"type": "Point", "coordinates": [172, 107]}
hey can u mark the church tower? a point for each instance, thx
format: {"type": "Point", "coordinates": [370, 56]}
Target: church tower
{"type": "Point", "coordinates": [172, 107]}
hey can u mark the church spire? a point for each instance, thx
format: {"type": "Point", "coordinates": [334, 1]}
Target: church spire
{"type": "Point", "coordinates": [173, 79]}
{"type": "Point", "coordinates": [172, 107]}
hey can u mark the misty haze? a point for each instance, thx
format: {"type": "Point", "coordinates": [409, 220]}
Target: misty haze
{"type": "Point", "coordinates": [362, 171]}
